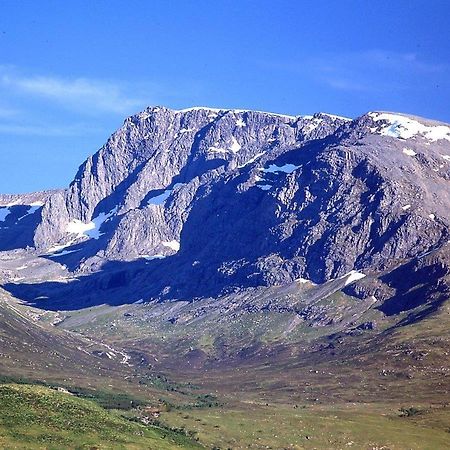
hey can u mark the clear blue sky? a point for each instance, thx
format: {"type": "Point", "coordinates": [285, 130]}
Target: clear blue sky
{"type": "Point", "coordinates": [71, 71]}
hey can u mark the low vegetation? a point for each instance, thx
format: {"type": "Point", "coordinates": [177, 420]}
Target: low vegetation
{"type": "Point", "coordinates": [37, 417]}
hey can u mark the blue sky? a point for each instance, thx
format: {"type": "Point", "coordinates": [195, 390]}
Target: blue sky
{"type": "Point", "coordinates": [71, 71]}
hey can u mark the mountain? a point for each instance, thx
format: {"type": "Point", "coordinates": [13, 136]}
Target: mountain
{"type": "Point", "coordinates": [200, 202]}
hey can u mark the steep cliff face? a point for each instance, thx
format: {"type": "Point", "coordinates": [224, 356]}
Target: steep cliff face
{"type": "Point", "coordinates": [139, 188]}
{"type": "Point", "coordinates": [215, 199]}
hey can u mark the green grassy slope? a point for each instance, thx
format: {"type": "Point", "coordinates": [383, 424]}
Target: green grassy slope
{"type": "Point", "coordinates": [36, 417]}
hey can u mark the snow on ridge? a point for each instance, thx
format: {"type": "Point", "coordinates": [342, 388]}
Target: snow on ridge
{"type": "Point", "coordinates": [199, 108]}
{"type": "Point", "coordinates": [302, 280]}
{"type": "Point", "coordinates": [236, 111]}
{"type": "Point", "coordinates": [335, 117]}
{"type": "Point", "coordinates": [404, 127]}
{"type": "Point", "coordinates": [243, 111]}
{"type": "Point", "coordinates": [285, 116]}
{"type": "Point", "coordinates": [186, 130]}
{"type": "Point", "coordinates": [353, 276]}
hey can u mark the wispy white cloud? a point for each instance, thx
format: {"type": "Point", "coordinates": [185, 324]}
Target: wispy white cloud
{"type": "Point", "coordinates": [85, 94]}
{"type": "Point", "coordinates": [47, 130]}
{"type": "Point", "coordinates": [372, 70]}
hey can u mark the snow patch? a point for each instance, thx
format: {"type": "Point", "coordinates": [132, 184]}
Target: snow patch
{"type": "Point", "coordinates": [432, 216]}
{"type": "Point", "coordinates": [252, 160]}
{"type": "Point", "coordinates": [286, 168]}
{"type": "Point", "coordinates": [63, 253]}
{"type": "Point", "coordinates": [92, 228]}
{"type": "Point", "coordinates": [409, 152]}
{"type": "Point", "coordinates": [152, 257]}
{"type": "Point", "coordinates": [4, 213]}
{"type": "Point", "coordinates": [446, 157]}
{"type": "Point", "coordinates": [405, 128]}
{"type": "Point", "coordinates": [264, 187]}
{"type": "Point", "coordinates": [161, 198]}
{"type": "Point", "coordinates": [57, 248]}
{"type": "Point", "coordinates": [315, 122]}
{"type": "Point", "coordinates": [353, 276]}
{"type": "Point", "coordinates": [174, 245]}
{"type": "Point", "coordinates": [234, 147]}
{"type": "Point", "coordinates": [79, 228]}
{"type": "Point", "coordinates": [240, 123]}
{"type": "Point", "coordinates": [406, 207]}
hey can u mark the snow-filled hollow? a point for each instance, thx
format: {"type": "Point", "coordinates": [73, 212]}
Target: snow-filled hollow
{"type": "Point", "coordinates": [91, 229]}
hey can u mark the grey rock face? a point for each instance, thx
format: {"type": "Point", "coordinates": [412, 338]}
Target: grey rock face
{"type": "Point", "coordinates": [220, 199]}
{"type": "Point", "coordinates": [150, 170]}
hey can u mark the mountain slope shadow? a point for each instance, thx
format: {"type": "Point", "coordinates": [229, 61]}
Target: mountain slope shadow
{"type": "Point", "coordinates": [18, 227]}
